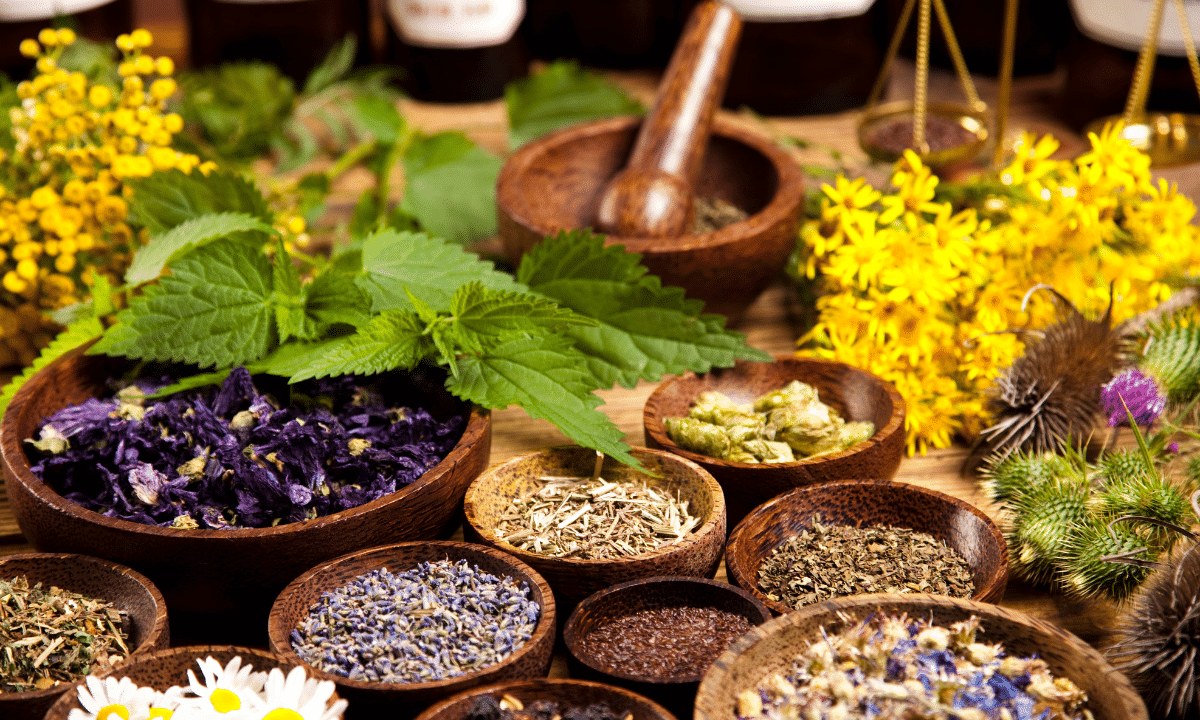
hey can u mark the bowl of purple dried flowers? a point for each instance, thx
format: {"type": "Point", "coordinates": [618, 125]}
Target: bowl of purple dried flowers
{"type": "Point", "coordinates": [552, 697]}
{"type": "Point", "coordinates": [223, 495]}
{"type": "Point", "coordinates": [401, 626]}
{"type": "Point", "coordinates": [890, 655]}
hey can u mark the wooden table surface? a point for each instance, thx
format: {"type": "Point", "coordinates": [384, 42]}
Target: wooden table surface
{"type": "Point", "coordinates": [773, 323]}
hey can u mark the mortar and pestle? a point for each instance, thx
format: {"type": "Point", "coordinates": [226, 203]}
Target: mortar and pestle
{"type": "Point", "coordinates": [636, 180]}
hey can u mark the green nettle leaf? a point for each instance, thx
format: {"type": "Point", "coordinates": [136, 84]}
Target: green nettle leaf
{"type": "Point", "coordinates": [149, 261]}
{"type": "Point", "coordinates": [238, 107]}
{"type": "Point", "coordinates": [489, 313]}
{"type": "Point", "coordinates": [544, 376]}
{"type": "Point", "coordinates": [290, 316]}
{"type": "Point", "coordinates": [379, 117]}
{"type": "Point", "coordinates": [393, 340]}
{"type": "Point", "coordinates": [76, 334]}
{"type": "Point", "coordinates": [332, 299]}
{"type": "Point", "coordinates": [562, 94]}
{"type": "Point", "coordinates": [396, 263]}
{"type": "Point", "coordinates": [450, 186]}
{"type": "Point", "coordinates": [166, 199]}
{"type": "Point", "coordinates": [216, 308]}
{"type": "Point", "coordinates": [335, 65]}
{"type": "Point", "coordinates": [644, 330]}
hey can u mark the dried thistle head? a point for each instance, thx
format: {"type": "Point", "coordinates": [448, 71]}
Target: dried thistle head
{"type": "Point", "coordinates": [1159, 645]}
{"type": "Point", "coordinates": [1052, 392]}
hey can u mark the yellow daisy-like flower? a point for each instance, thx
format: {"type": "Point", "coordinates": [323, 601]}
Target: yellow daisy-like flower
{"type": "Point", "coordinates": [112, 699]}
{"type": "Point", "coordinates": [228, 688]}
{"type": "Point", "coordinates": [299, 697]}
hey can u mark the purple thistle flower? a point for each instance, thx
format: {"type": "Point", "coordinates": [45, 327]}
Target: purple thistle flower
{"type": "Point", "coordinates": [1141, 394]}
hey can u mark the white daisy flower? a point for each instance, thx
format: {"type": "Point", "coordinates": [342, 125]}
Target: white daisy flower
{"type": "Point", "coordinates": [299, 697]}
{"type": "Point", "coordinates": [112, 699]}
{"type": "Point", "coordinates": [225, 689]}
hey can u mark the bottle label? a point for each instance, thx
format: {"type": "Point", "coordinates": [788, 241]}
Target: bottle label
{"type": "Point", "coordinates": [797, 10]}
{"type": "Point", "coordinates": [26, 10]}
{"type": "Point", "coordinates": [455, 23]}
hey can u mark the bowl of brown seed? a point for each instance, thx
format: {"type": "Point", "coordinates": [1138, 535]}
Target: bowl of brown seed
{"type": "Point", "coordinates": [855, 537]}
{"type": "Point", "coordinates": [63, 616]}
{"type": "Point", "coordinates": [658, 636]}
{"type": "Point", "coordinates": [586, 522]}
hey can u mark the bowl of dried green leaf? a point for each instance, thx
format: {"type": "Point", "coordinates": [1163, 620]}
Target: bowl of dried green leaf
{"type": "Point", "coordinates": [852, 537]}
{"type": "Point", "coordinates": [64, 616]}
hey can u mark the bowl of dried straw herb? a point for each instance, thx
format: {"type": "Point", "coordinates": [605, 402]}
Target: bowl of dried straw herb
{"type": "Point", "coordinates": [585, 521]}
{"type": "Point", "coordinates": [224, 494]}
{"type": "Point", "coordinates": [763, 428]}
{"type": "Point", "coordinates": [854, 537]}
{"type": "Point", "coordinates": [64, 616]}
{"type": "Point", "coordinates": [401, 626]}
{"type": "Point", "coordinates": [913, 656]}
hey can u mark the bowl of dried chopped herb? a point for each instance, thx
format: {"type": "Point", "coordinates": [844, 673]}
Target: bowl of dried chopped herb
{"type": "Point", "coordinates": [913, 656]}
{"type": "Point", "coordinates": [586, 522]}
{"type": "Point", "coordinates": [763, 428]}
{"type": "Point", "coordinates": [547, 698]}
{"type": "Point", "coordinates": [853, 537]}
{"type": "Point", "coordinates": [234, 479]}
{"type": "Point", "coordinates": [401, 626]}
{"type": "Point", "coordinates": [64, 616]}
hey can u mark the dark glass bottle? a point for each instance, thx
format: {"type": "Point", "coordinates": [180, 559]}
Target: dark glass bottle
{"type": "Point", "coordinates": [294, 35]}
{"type": "Point", "coordinates": [604, 33]}
{"type": "Point", "coordinates": [1043, 33]}
{"type": "Point", "coordinates": [456, 51]}
{"type": "Point", "coordinates": [92, 19]}
{"type": "Point", "coordinates": [790, 62]}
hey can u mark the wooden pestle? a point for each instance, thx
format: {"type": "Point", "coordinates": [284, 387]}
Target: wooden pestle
{"type": "Point", "coordinates": [652, 195]}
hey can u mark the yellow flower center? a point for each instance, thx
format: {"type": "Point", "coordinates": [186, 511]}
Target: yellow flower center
{"type": "Point", "coordinates": [157, 713]}
{"type": "Point", "coordinates": [224, 700]}
{"type": "Point", "coordinates": [109, 711]}
{"type": "Point", "coordinates": [283, 714]}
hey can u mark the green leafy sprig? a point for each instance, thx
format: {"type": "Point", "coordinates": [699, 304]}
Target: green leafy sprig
{"type": "Point", "coordinates": [577, 317]}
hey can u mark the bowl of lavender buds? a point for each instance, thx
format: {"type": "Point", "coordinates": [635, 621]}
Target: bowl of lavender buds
{"type": "Point", "coordinates": [569, 699]}
{"type": "Point", "coordinates": [586, 522]}
{"type": "Point", "coordinates": [913, 656]}
{"type": "Point", "coordinates": [401, 626]}
{"type": "Point", "coordinates": [65, 616]}
{"type": "Point", "coordinates": [224, 494]}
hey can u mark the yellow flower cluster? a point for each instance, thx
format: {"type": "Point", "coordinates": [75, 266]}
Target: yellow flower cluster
{"type": "Point", "coordinates": [63, 208]}
{"type": "Point", "coordinates": [924, 294]}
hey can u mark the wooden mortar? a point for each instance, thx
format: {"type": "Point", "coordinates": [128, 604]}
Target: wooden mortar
{"type": "Point", "coordinates": [640, 178]}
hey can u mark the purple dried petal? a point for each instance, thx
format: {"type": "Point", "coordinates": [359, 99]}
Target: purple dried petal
{"type": "Point", "coordinates": [146, 482]}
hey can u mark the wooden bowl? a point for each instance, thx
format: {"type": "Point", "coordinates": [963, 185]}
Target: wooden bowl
{"type": "Point", "coordinates": [856, 395]}
{"type": "Point", "coordinates": [863, 503]}
{"type": "Point", "coordinates": [569, 693]}
{"type": "Point", "coordinates": [377, 699]}
{"type": "Point", "coordinates": [554, 183]}
{"type": "Point", "coordinates": [601, 608]}
{"type": "Point", "coordinates": [224, 581]}
{"type": "Point", "coordinates": [771, 648]}
{"type": "Point", "coordinates": [163, 669]}
{"type": "Point", "coordinates": [126, 589]}
{"type": "Point", "coordinates": [697, 554]}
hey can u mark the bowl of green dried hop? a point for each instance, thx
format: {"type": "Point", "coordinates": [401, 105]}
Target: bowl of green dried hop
{"type": "Point", "coordinates": [763, 428]}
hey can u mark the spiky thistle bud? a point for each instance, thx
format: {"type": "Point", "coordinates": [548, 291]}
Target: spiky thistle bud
{"type": "Point", "coordinates": [1089, 569]}
{"type": "Point", "coordinates": [1158, 645]}
{"type": "Point", "coordinates": [1152, 496]}
{"type": "Point", "coordinates": [1172, 355]}
{"type": "Point", "coordinates": [1003, 478]}
{"type": "Point", "coordinates": [1042, 519]}
{"type": "Point", "coordinates": [1117, 466]}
